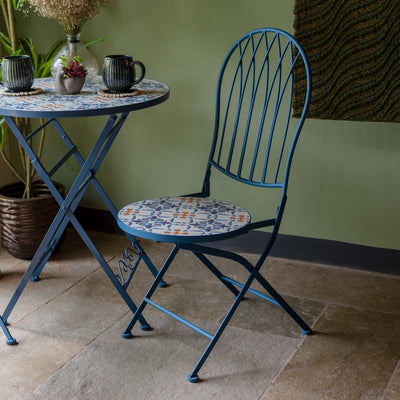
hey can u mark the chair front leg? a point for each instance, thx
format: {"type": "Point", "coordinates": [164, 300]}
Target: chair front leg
{"type": "Point", "coordinates": [158, 279]}
{"type": "Point", "coordinates": [193, 377]}
{"type": "Point", "coordinates": [9, 339]}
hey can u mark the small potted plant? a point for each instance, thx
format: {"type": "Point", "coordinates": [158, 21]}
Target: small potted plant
{"type": "Point", "coordinates": [70, 76]}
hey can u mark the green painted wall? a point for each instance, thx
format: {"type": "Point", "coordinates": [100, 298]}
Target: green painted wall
{"type": "Point", "coordinates": [344, 183]}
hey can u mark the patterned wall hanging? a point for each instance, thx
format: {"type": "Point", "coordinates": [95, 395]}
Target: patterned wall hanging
{"type": "Point", "coordinates": [353, 48]}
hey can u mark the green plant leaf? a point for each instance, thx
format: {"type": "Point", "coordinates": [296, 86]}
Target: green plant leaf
{"type": "Point", "coordinates": [28, 48]}
{"type": "Point", "coordinates": [2, 132]}
{"type": "Point", "coordinates": [24, 45]}
{"type": "Point", "coordinates": [44, 70]}
{"type": "Point", "coordinates": [6, 42]}
{"type": "Point", "coordinates": [54, 50]}
{"type": "Point", "coordinates": [17, 4]}
{"type": "Point", "coordinates": [94, 41]}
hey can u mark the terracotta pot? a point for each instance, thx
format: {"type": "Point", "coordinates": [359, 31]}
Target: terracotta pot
{"type": "Point", "coordinates": [24, 222]}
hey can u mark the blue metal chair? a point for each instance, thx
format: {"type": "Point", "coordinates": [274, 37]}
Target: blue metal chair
{"type": "Point", "coordinates": [254, 140]}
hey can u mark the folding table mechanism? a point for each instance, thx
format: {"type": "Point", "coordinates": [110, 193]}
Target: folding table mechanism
{"type": "Point", "coordinates": [66, 214]}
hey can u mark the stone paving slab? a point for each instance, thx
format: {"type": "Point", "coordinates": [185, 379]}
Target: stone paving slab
{"type": "Point", "coordinates": [34, 359]}
{"type": "Point", "coordinates": [155, 364]}
{"type": "Point", "coordinates": [352, 356]}
{"type": "Point", "coordinates": [336, 285]}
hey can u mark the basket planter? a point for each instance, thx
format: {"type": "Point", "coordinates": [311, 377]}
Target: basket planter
{"type": "Point", "coordinates": [24, 222]}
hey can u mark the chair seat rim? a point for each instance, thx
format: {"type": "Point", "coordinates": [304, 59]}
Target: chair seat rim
{"type": "Point", "coordinates": [181, 239]}
{"type": "Point", "coordinates": [193, 228]}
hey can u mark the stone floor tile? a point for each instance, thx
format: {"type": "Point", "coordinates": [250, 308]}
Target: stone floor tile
{"type": "Point", "coordinates": [34, 359]}
{"type": "Point", "coordinates": [56, 278]}
{"type": "Point", "coordinates": [73, 319]}
{"type": "Point", "coordinates": [336, 285]}
{"type": "Point", "coordinates": [261, 316]}
{"type": "Point", "coordinates": [98, 287]}
{"type": "Point", "coordinates": [155, 365]}
{"type": "Point", "coordinates": [352, 356]}
{"type": "Point", "coordinates": [71, 263]}
{"type": "Point", "coordinates": [194, 299]}
{"type": "Point", "coordinates": [392, 392]}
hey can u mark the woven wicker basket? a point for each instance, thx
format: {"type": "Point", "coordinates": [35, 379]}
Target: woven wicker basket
{"type": "Point", "coordinates": [24, 222]}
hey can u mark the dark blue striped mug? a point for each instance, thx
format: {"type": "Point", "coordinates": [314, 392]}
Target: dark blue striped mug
{"type": "Point", "coordinates": [17, 73]}
{"type": "Point", "coordinates": [119, 73]}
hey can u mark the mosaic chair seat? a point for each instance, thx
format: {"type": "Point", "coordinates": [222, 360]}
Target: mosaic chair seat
{"type": "Point", "coordinates": [254, 141]}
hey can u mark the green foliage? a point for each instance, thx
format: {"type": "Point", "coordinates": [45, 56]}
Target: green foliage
{"type": "Point", "coordinates": [65, 62]}
{"type": "Point", "coordinates": [2, 132]}
{"type": "Point", "coordinates": [41, 62]}
{"type": "Point", "coordinates": [6, 42]}
{"type": "Point", "coordinates": [17, 3]}
{"type": "Point", "coordinates": [94, 41]}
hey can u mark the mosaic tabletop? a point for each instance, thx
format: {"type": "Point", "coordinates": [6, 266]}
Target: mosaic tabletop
{"type": "Point", "coordinates": [89, 102]}
{"type": "Point", "coordinates": [183, 217]}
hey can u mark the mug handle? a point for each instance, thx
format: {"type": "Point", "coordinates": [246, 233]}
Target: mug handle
{"type": "Point", "coordinates": [143, 71]}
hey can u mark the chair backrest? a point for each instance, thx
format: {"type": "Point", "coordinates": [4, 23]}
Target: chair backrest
{"type": "Point", "coordinates": [264, 79]}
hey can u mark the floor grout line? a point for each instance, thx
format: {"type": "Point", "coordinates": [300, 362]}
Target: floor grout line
{"type": "Point", "coordinates": [295, 351]}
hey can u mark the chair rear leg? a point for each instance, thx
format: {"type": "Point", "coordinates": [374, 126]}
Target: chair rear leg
{"type": "Point", "coordinates": [306, 330]}
{"type": "Point", "coordinates": [254, 270]}
{"type": "Point", "coordinates": [193, 377]}
{"type": "Point", "coordinates": [152, 269]}
{"type": "Point", "coordinates": [216, 272]}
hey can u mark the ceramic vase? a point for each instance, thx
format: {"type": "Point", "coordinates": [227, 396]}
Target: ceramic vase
{"type": "Point", "coordinates": [64, 85]}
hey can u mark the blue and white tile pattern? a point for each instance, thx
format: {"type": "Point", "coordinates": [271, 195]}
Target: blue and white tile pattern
{"type": "Point", "coordinates": [184, 216]}
{"type": "Point", "coordinates": [49, 101]}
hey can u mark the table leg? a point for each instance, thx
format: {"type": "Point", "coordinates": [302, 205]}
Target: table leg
{"type": "Point", "coordinates": [68, 205]}
{"type": "Point", "coordinates": [101, 192]}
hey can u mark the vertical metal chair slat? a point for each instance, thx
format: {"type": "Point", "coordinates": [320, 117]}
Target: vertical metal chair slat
{"type": "Point", "coordinates": [238, 68]}
{"type": "Point", "coordinates": [242, 89]}
{"type": "Point", "coordinates": [278, 72]}
{"type": "Point", "coordinates": [289, 76]}
{"type": "Point", "coordinates": [251, 106]}
{"type": "Point", "coordinates": [265, 107]}
{"type": "Point", "coordinates": [239, 108]}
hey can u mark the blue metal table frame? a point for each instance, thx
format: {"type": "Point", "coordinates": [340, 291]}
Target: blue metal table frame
{"type": "Point", "coordinates": [50, 106]}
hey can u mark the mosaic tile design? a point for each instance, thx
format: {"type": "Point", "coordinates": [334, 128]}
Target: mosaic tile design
{"type": "Point", "coordinates": [184, 216]}
{"type": "Point", "coordinates": [87, 100]}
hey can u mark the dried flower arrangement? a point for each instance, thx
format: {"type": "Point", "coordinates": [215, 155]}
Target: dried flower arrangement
{"type": "Point", "coordinates": [73, 68]}
{"type": "Point", "coordinates": [71, 14]}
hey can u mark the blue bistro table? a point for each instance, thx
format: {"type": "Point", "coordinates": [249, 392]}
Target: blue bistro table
{"type": "Point", "coordinates": [50, 106]}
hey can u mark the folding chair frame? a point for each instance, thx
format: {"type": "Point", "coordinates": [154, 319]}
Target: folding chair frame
{"type": "Point", "coordinates": [254, 41]}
